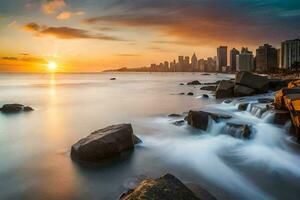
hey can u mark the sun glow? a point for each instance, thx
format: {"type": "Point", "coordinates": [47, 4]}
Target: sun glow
{"type": "Point", "coordinates": [52, 66]}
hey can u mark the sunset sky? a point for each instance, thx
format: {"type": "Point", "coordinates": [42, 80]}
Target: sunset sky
{"type": "Point", "coordinates": [94, 35]}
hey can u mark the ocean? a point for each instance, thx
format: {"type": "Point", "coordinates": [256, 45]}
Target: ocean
{"type": "Point", "coordinates": [35, 146]}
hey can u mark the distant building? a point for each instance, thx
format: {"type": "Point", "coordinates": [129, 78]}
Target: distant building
{"type": "Point", "coordinates": [233, 53]}
{"type": "Point", "coordinates": [180, 66]}
{"type": "Point", "coordinates": [290, 53]}
{"type": "Point", "coordinates": [245, 61]}
{"type": "Point", "coordinates": [166, 66]}
{"type": "Point", "coordinates": [187, 66]}
{"type": "Point", "coordinates": [221, 57]}
{"type": "Point", "coordinates": [194, 63]}
{"type": "Point", "coordinates": [266, 58]}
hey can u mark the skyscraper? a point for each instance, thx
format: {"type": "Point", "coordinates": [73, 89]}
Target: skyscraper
{"type": "Point", "coordinates": [266, 58]}
{"type": "Point", "coordinates": [290, 53]}
{"type": "Point", "coordinates": [245, 61]}
{"type": "Point", "coordinates": [221, 57]}
{"type": "Point", "coordinates": [180, 66]}
{"type": "Point", "coordinates": [233, 53]}
{"type": "Point", "coordinates": [194, 64]}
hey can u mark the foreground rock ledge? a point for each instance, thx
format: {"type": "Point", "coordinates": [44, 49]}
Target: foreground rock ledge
{"type": "Point", "coordinates": [105, 143]}
{"type": "Point", "coordinates": [167, 187]}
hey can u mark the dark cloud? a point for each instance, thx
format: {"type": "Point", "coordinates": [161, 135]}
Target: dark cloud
{"type": "Point", "coordinates": [209, 21]}
{"type": "Point", "coordinates": [65, 32]}
{"type": "Point", "coordinates": [10, 58]}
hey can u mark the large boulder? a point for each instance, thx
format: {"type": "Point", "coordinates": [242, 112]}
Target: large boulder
{"type": "Point", "coordinates": [259, 83]}
{"type": "Point", "coordinates": [200, 119]}
{"type": "Point", "coordinates": [167, 187]}
{"type": "Point", "coordinates": [225, 89]}
{"type": "Point", "coordinates": [281, 117]}
{"type": "Point", "coordinates": [279, 96]}
{"type": "Point", "coordinates": [104, 143]}
{"type": "Point", "coordinates": [15, 108]}
{"type": "Point", "coordinates": [241, 91]}
{"type": "Point", "coordinates": [243, 106]}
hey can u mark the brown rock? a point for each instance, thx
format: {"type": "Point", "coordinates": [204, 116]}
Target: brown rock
{"type": "Point", "coordinates": [241, 91]}
{"type": "Point", "coordinates": [238, 130]}
{"type": "Point", "coordinates": [104, 143]}
{"type": "Point", "coordinates": [167, 187]}
{"type": "Point", "coordinates": [225, 89]}
{"type": "Point", "coordinates": [259, 83]}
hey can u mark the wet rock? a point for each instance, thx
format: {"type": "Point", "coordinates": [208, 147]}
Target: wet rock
{"type": "Point", "coordinates": [277, 84]}
{"type": "Point", "coordinates": [243, 106]}
{"type": "Point", "coordinates": [190, 94]}
{"type": "Point", "coordinates": [240, 91]}
{"type": "Point", "coordinates": [104, 143]}
{"type": "Point", "coordinates": [205, 74]}
{"type": "Point", "coordinates": [195, 82]}
{"type": "Point", "coordinates": [179, 123]}
{"type": "Point", "coordinates": [279, 96]}
{"type": "Point", "coordinates": [136, 140]}
{"type": "Point", "coordinates": [238, 130]}
{"type": "Point", "coordinates": [205, 96]}
{"type": "Point", "coordinates": [225, 89]}
{"type": "Point", "coordinates": [200, 119]}
{"type": "Point", "coordinates": [181, 93]}
{"type": "Point", "coordinates": [281, 117]}
{"type": "Point", "coordinates": [15, 108]}
{"type": "Point", "coordinates": [209, 88]}
{"type": "Point", "coordinates": [227, 101]}
{"type": "Point", "coordinates": [112, 79]}
{"type": "Point", "coordinates": [181, 84]}
{"type": "Point", "coordinates": [258, 109]}
{"type": "Point", "coordinates": [293, 84]}
{"type": "Point", "coordinates": [174, 115]}
{"type": "Point", "coordinates": [258, 83]}
{"type": "Point", "coordinates": [167, 187]}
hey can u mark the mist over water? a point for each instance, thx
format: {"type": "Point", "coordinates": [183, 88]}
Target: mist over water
{"type": "Point", "coordinates": [34, 151]}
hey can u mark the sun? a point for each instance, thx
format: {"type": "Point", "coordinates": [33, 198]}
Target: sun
{"type": "Point", "coordinates": [52, 66]}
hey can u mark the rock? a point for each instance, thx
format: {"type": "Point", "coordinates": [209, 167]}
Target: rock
{"type": "Point", "coordinates": [225, 89]}
{"type": "Point", "coordinates": [281, 117]}
{"type": "Point", "coordinates": [205, 74]}
{"type": "Point", "coordinates": [136, 140]}
{"type": "Point", "coordinates": [200, 119]}
{"type": "Point", "coordinates": [243, 106]}
{"type": "Point", "coordinates": [27, 109]}
{"type": "Point", "coordinates": [279, 96]}
{"type": "Point", "coordinates": [182, 93]}
{"type": "Point", "coordinates": [179, 123]}
{"type": "Point", "coordinates": [167, 187]}
{"type": "Point", "coordinates": [258, 109]}
{"type": "Point", "coordinates": [104, 143]}
{"type": "Point", "coordinates": [205, 96]}
{"type": "Point", "coordinates": [265, 100]}
{"type": "Point", "coordinates": [174, 115]}
{"type": "Point", "coordinates": [190, 94]}
{"type": "Point", "coordinates": [227, 101]}
{"type": "Point", "coordinates": [15, 108]}
{"type": "Point", "coordinates": [259, 83]}
{"type": "Point", "coordinates": [209, 88]}
{"type": "Point", "coordinates": [241, 91]}
{"type": "Point", "coordinates": [238, 130]}
{"type": "Point", "coordinates": [181, 84]}
{"type": "Point", "coordinates": [112, 79]}
{"type": "Point", "coordinates": [276, 84]}
{"type": "Point", "coordinates": [295, 83]}
{"type": "Point", "coordinates": [195, 82]}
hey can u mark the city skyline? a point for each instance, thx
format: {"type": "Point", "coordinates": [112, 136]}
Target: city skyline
{"type": "Point", "coordinates": [74, 36]}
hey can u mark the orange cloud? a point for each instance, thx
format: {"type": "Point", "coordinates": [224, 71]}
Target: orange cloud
{"type": "Point", "coordinates": [51, 6]}
{"type": "Point", "coordinates": [66, 15]}
{"type": "Point", "coordinates": [65, 32]}
{"type": "Point", "coordinates": [26, 58]}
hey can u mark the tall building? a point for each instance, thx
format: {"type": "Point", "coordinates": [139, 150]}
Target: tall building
{"type": "Point", "coordinates": [290, 53]}
{"type": "Point", "coordinates": [194, 63]}
{"type": "Point", "coordinates": [221, 57]}
{"type": "Point", "coordinates": [233, 53]}
{"type": "Point", "coordinates": [166, 66]}
{"type": "Point", "coordinates": [266, 58]}
{"type": "Point", "coordinates": [180, 65]}
{"type": "Point", "coordinates": [245, 61]}
{"type": "Point", "coordinates": [187, 65]}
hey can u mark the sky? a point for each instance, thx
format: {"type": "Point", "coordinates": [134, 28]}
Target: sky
{"type": "Point", "coordinates": [95, 35]}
